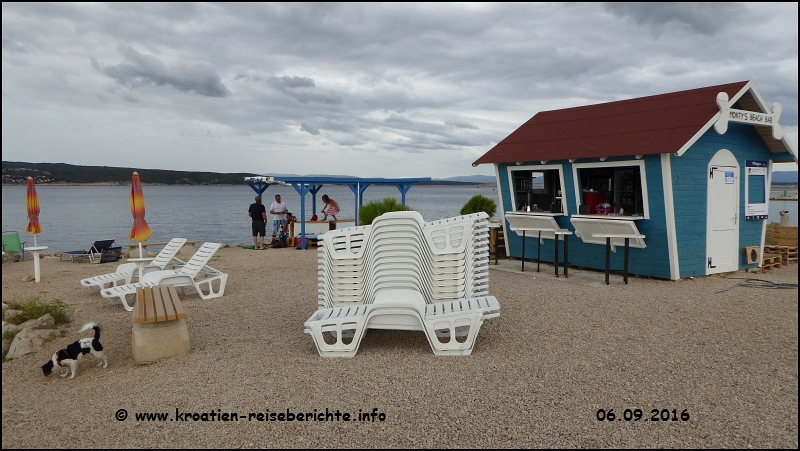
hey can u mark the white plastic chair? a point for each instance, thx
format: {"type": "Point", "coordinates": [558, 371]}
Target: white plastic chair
{"type": "Point", "coordinates": [194, 276]}
{"type": "Point", "coordinates": [127, 271]}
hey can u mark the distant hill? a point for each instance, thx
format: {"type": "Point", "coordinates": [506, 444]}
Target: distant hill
{"type": "Point", "coordinates": [17, 172]}
{"type": "Point", "coordinates": [472, 179]}
{"type": "Point", "coordinates": [784, 177]}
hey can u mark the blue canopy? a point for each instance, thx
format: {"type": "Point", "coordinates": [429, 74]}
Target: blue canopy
{"type": "Point", "coordinates": [304, 185]}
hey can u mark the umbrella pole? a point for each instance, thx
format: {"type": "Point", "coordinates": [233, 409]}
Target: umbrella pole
{"type": "Point", "coordinates": [140, 250]}
{"type": "Point", "coordinates": [34, 240]}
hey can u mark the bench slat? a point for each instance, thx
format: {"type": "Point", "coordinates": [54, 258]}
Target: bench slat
{"type": "Point", "coordinates": [157, 304]}
{"type": "Point", "coordinates": [169, 303]}
{"type": "Point", "coordinates": [158, 300]}
{"type": "Point", "coordinates": [140, 312]}
{"type": "Point", "coordinates": [149, 306]}
{"type": "Point", "coordinates": [181, 313]}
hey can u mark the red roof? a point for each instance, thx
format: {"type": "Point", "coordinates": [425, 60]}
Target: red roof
{"type": "Point", "coordinates": [647, 125]}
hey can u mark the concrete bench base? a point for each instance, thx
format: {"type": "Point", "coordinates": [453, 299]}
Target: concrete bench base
{"type": "Point", "coordinates": [158, 341]}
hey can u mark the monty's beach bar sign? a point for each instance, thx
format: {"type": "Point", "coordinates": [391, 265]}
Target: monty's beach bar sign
{"type": "Point", "coordinates": [728, 114]}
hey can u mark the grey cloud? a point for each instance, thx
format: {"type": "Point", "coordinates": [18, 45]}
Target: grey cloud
{"type": "Point", "coordinates": [397, 119]}
{"type": "Point", "coordinates": [302, 90]}
{"type": "Point", "coordinates": [293, 82]}
{"type": "Point", "coordinates": [140, 69]}
{"type": "Point", "coordinates": [411, 78]}
{"type": "Point", "coordinates": [12, 46]}
{"type": "Point", "coordinates": [309, 128]}
{"type": "Point", "coordinates": [704, 18]}
{"type": "Point", "coordinates": [460, 124]}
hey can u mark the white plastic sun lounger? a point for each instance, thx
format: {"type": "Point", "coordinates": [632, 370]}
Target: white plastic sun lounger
{"type": "Point", "coordinates": [451, 327]}
{"type": "Point", "coordinates": [194, 276]}
{"type": "Point", "coordinates": [127, 271]}
{"type": "Point", "coordinates": [403, 273]}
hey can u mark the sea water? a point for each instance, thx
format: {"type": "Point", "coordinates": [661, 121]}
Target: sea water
{"type": "Point", "coordinates": [73, 217]}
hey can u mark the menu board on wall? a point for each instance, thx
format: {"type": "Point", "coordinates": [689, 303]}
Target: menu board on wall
{"type": "Point", "coordinates": [756, 190]}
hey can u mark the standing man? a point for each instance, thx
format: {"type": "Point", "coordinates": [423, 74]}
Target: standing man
{"type": "Point", "coordinates": [258, 213]}
{"type": "Point", "coordinates": [278, 211]}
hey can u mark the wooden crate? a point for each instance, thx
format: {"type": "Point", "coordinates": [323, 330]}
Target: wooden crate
{"type": "Point", "coordinates": [783, 251]}
{"type": "Point", "coordinates": [771, 261]}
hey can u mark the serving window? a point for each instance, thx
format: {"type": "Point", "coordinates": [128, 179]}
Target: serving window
{"type": "Point", "coordinates": [612, 189]}
{"type": "Point", "coordinates": [537, 188]}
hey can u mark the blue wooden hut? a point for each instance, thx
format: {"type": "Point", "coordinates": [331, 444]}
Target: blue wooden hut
{"type": "Point", "coordinates": [690, 170]}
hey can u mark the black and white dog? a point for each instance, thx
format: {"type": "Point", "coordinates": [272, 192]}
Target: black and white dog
{"type": "Point", "coordinates": [69, 356]}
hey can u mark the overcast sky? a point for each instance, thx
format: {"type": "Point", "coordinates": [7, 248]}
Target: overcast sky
{"type": "Point", "coordinates": [372, 90]}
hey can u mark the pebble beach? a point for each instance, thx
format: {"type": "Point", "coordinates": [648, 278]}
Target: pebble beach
{"type": "Point", "coordinates": [715, 347]}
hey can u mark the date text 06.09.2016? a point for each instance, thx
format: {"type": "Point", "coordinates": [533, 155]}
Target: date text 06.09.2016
{"type": "Point", "coordinates": [656, 415]}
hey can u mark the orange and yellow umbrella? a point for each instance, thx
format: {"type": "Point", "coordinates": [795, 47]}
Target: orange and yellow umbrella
{"type": "Point", "coordinates": [32, 201]}
{"type": "Point", "coordinates": [140, 230]}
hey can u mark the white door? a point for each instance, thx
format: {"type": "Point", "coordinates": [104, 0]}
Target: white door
{"type": "Point", "coordinates": [722, 223]}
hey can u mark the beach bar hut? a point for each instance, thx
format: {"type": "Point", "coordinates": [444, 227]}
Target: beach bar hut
{"type": "Point", "coordinates": [689, 170]}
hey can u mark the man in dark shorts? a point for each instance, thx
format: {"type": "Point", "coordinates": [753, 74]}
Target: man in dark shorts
{"type": "Point", "coordinates": [258, 212]}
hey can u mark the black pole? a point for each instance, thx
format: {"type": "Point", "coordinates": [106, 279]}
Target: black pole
{"type": "Point", "coordinates": [555, 258]}
{"type": "Point", "coordinates": [538, 251]}
{"type": "Point", "coordinates": [523, 251]}
{"type": "Point", "coordinates": [625, 270]}
{"type": "Point", "coordinates": [608, 256]}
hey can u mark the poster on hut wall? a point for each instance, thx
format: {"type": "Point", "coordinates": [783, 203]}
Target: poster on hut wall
{"type": "Point", "coordinates": [756, 190]}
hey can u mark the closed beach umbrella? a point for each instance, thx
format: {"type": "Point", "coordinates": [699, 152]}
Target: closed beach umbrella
{"type": "Point", "coordinates": [140, 230]}
{"type": "Point", "coordinates": [32, 201]}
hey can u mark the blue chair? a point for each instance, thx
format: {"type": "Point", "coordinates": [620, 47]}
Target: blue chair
{"type": "Point", "coordinates": [98, 249]}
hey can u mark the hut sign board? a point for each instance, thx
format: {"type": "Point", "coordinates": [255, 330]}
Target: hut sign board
{"type": "Point", "coordinates": [749, 117]}
{"type": "Point", "coordinates": [728, 114]}
{"type": "Point", "coordinates": [756, 190]}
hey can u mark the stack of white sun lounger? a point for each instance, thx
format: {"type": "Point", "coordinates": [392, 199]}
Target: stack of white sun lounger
{"type": "Point", "coordinates": [404, 273]}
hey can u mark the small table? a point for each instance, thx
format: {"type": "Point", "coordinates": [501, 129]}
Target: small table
{"type": "Point", "coordinates": [36, 250]}
{"type": "Point", "coordinates": [140, 264]}
{"type": "Point", "coordinates": [521, 222]}
{"type": "Point", "coordinates": [628, 237]}
{"type": "Point", "coordinates": [557, 232]}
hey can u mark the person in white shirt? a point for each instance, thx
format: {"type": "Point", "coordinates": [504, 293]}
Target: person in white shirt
{"type": "Point", "coordinates": [278, 211]}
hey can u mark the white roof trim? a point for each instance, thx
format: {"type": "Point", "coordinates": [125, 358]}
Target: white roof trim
{"type": "Point", "coordinates": [697, 135]}
{"type": "Point", "coordinates": [761, 104]}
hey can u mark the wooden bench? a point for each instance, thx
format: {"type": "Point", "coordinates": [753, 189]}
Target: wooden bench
{"type": "Point", "coordinates": [159, 325]}
{"type": "Point", "coordinates": [158, 304]}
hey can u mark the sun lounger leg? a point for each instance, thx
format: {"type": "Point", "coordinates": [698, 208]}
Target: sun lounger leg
{"type": "Point", "coordinates": [454, 335]}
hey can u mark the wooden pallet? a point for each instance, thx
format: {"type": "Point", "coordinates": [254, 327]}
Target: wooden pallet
{"type": "Point", "coordinates": [771, 261]}
{"type": "Point", "coordinates": [792, 255]}
{"type": "Point", "coordinates": [783, 251]}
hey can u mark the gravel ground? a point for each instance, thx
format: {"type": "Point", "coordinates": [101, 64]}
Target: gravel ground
{"type": "Point", "coordinates": [560, 351]}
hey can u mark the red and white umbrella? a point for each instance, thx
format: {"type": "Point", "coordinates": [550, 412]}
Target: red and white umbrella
{"type": "Point", "coordinates": [140, 230]}
{"type": "Point", "coordinates": [32, 201]}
